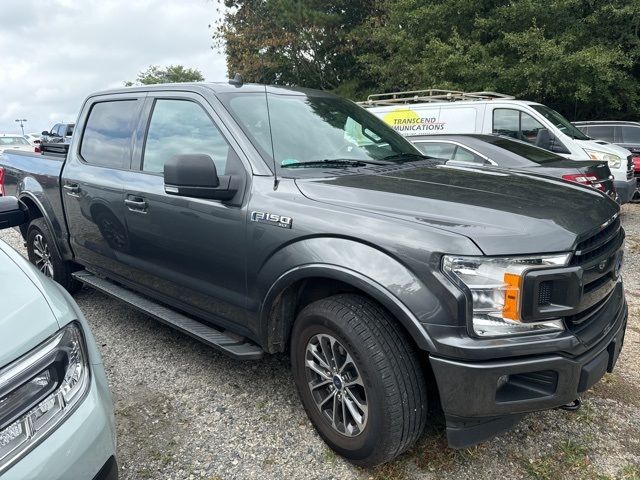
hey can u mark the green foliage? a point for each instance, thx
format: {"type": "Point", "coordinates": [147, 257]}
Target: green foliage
{"type": "Point", "coordinates": [171, 74]}
{"type": "Point", "coordinates": [302, 42]}
{"type": "Point", "coordinates": [581, 57]}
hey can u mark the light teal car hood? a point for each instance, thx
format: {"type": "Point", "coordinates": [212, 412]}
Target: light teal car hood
{"type": "Point", "coordinates": [27, 317]}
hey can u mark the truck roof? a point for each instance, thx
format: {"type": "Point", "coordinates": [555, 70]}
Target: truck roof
{"type": "Point", "coordinates": [216, 87]}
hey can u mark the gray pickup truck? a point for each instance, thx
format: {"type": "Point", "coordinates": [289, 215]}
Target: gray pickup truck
{"type": "Point", "coordinates": [265, 219]}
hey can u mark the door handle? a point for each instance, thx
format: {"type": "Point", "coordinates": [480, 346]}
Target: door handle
{"type": "Point", "coordinates": [73, 189]}
{"type": "Point", "coordinates": [136, 205]}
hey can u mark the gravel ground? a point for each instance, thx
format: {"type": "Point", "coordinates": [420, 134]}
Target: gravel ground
{"type": "Point", "coordinates": [184, 411]}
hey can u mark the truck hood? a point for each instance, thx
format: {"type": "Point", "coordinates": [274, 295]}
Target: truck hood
{"type": "Point", "coordinates": [26, 318]}
{"type": "Point", "coordinates": [503, 212]}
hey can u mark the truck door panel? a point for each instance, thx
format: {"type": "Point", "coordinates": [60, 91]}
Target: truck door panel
{"type": "Point", "coordinates": [186, 248]}
{"type": "Point", "coordinates": [92, 180]}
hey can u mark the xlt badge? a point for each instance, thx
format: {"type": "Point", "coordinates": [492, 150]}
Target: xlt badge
{"type": "Point", "coordinates": [272, 219]}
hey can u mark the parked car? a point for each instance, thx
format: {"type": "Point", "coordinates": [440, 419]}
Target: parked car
{"type": "Point", "coordinates": [624, 134]}
{"type": "Point", "coordinates": [503, 152]}
{"type": "Point", "coordinates": [56, 413]}
{"type": "Point", "coordinates": [427, 112]}
{"type": "Point", "coordinates": [59, 133]}
{"type": "Point", "coordinates": [33, 138]}
{"type": "Point", "coordinates": [269, 219]}
{"type": "Point", "coordinates": [10, 141]}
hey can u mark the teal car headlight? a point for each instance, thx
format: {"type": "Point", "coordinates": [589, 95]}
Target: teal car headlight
{"type": "Point", "coordinates": [39, 390]}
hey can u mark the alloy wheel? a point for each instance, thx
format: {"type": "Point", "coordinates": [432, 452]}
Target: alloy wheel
{"type": "Point", "coordinates": [42, 255]}
{"type": "Point", "coordinates": [336, 385]}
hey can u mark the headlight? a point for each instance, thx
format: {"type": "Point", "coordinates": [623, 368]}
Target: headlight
{"type": "Point", "coordinates": [495, 287]}
{"type": "Point", "coordinates": [39, 390]}
{"type": "Point", "coordinates": [614, 161]}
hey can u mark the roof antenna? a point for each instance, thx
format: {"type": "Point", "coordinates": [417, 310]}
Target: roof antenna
{"type": "Point", "coordinates": [273, 150]}
{"type": "Point", "coordinates": [236, 81]}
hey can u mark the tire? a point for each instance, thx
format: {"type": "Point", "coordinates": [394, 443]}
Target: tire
{"type": "Point", "coordinates": [384, 374]}
{"type": "Point", "coordinates": [44, 255]}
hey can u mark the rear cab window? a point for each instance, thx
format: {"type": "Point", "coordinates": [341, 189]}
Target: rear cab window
{"type": "Point", "coordinates": [107, 137]}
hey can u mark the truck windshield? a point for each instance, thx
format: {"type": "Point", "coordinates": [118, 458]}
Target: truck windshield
{"type": "Point", "coordinates": [319, 130]}
{"type": "Point", "coordinates": [559, 121]}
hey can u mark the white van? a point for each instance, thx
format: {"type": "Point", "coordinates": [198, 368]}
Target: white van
{"type": "Point", "coordinates": [425, 112]}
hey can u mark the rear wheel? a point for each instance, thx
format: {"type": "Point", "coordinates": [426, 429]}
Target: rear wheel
{"type": "Point", "coordinates": [43, 254]}
{"type": "Point", "coordinates": [359, 378]}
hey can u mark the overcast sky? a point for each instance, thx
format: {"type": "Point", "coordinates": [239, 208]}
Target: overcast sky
{"type": "Point", "coordinates": [53, 53]}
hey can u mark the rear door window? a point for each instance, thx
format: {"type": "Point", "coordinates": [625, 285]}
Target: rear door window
{"type": "Point", "coordinates": [467, 156]}
{"type": "Point", "coordinates": [601, 132]}
{"type": "Point", "coordinates": [630, 134]}
{"type": "Point", "coordinates": [107, 137]}
{"type": "Point", "coordinates": [441, 150]}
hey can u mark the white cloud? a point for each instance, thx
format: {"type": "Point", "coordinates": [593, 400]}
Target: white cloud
{"type": "Point", "coordinates": [56, 52]}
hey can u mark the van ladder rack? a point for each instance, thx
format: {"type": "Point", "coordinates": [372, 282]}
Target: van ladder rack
{"type": "Point", "coordinates": [429, 96]}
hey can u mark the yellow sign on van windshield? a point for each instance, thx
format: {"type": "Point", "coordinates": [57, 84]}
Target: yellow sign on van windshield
{"type": "Point", "coordinates": [408, 122]}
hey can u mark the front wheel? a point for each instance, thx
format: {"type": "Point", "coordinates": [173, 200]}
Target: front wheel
{"type": "Point", "coordinates": [359, 378]}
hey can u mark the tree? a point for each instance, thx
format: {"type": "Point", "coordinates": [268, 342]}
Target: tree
{"type": "Point", "coordinates": [171, 74]}
{"type": "Point", "coordinates": [578, 56]}
{"type": "Point", "coordinates": [292, 42]}
{"type": "Point", "coordinates": [581, 57]}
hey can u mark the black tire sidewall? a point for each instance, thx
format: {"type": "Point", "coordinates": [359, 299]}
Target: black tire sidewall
{"type": "Point", "coordinates": [362, 446]}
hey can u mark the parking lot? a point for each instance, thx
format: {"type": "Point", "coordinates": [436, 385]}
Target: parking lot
{"type": "Point", "coordinates": [185, 411]}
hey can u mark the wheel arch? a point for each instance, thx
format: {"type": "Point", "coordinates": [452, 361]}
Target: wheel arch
{"type": "Point", "coordinates": [302, 285]}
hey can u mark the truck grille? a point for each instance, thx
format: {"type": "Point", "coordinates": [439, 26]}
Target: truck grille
{"type": "Point", "coordinates": [597, 255]}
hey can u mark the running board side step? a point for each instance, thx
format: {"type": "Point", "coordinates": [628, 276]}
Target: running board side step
{"type": "Point", "coordinates": [233, 345]}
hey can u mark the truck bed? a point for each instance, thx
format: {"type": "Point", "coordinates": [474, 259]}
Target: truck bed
{"type": "Point", "coordinates": [35, 177]}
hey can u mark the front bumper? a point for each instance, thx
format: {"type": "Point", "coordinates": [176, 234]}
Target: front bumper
{"type": "Point", "coordinates": [81, 447]}
{"type": "Point", "coordinates": [482, 399]}
{"type": "Point", "coordinates": [625, 189]}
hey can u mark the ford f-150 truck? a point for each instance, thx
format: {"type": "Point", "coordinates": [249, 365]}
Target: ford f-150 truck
{"type": "Point", "coordinates": [266, 219]}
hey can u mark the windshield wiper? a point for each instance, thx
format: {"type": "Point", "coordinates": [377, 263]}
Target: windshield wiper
{"type": "Point", "coordinates": [406, 155]}
{"type": "Point", "coordinates": [335, 162]}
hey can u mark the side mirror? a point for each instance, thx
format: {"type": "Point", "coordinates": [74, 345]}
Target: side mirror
{"type": "Point", "coordinates": [45, 133]}
{"type": "Point", "coordinates": [195, 175]}
{"type": "Point", "coordinates": [12, 212]}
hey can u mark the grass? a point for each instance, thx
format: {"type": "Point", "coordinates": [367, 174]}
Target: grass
{"type": "Point", "coordinates": [434, 455]}
{"type": "Point", "coordinates": [631, 472]}
{"type": "Point", "coordinates": [568, 460]}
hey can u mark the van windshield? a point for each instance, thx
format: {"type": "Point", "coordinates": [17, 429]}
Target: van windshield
{"type": "Point", "coordinates": [315, 130]}
{"type": "Point", "coordinates": [559, 121]}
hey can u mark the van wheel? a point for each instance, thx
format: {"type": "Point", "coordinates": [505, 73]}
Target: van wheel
{"type": "Point", "coordinates": [359, 378]}
{"type": "Point", "coordinates": [44, 255]}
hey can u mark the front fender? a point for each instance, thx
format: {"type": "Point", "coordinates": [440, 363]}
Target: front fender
{"type": "Point", "coordinates": [364, 267]}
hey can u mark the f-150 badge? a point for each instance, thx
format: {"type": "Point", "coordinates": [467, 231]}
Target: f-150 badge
{"type": "Point", "coordinates": [272, 219]}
